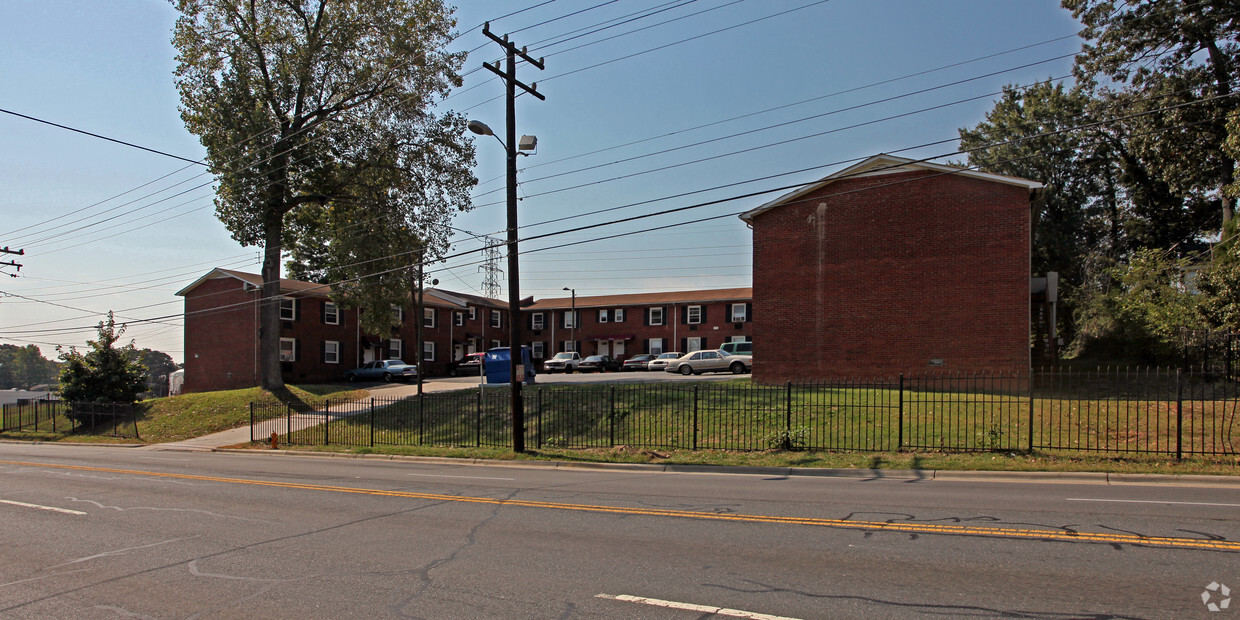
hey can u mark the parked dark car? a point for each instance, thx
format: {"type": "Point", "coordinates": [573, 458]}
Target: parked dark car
{"type": "Point", "coordinates": [385, 370]}
{"type": "Point", "coordinates": [468, 366]}
{"type": "Point", "coordinates": [598, 363]}
{"type": "Point", "coordinates": [637, 362]}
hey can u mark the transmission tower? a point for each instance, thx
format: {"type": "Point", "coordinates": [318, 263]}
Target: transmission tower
{"type": "Point", "coordinates": [490, 268]}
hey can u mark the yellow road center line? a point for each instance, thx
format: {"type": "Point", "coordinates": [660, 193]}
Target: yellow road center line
{"type": "Point", "coordinates": [885, 526]}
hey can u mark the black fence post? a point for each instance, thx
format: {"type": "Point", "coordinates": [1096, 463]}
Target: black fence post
{"type": "Point", "coordinates": [478, 419]}
{"type": "Point", "coordinates": [695, 417]}
{"type": "Point", "coordinates": [788, 410]}
{"type": "Point", "coordinates": [1179, 413]}
{"type": "Point", "coordinates": [133, 415]}
{"type": "Point", "coordinates": [611, 417]}
{"type": "Point", "coordinates": [372, 421]}
{"type": "Point", "coordinates": [288, 408]}
{"type": "Point", "coordinates": [538, 396]}
{"type": "Point", "coordinates": [327, 419]}
{"type": "Point", "coordinates": [1031, 393]}
{"type": "Point", "coordinates": [251, 421]}
{"type": "Point", "coordinates": [900, 415]}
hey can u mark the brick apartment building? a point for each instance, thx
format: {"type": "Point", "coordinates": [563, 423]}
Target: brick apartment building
{"type": "Point", "coordinates": [319, 340]}
{"type": "Point", "coordinates": [626, 325]}
{"type": "Point", "coordinates": [893, 266]}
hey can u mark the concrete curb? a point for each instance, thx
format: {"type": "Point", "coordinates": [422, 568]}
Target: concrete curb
{"type": "Point", "coordinates": [909, 475]}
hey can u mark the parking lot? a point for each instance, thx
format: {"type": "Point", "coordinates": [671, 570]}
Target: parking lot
{"type": "Point", "coordinates": [441, 384]}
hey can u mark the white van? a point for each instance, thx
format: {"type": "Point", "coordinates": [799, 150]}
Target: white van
{"type": "Point", "coordinates": [737, 348]}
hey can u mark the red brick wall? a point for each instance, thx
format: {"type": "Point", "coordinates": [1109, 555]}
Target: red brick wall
{"type": "Point", "coordinates": [884, 280]}
{"type": "Point", "coordinates": [221, 349]}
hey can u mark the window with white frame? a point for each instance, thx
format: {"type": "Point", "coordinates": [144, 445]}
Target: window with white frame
{"type": "Point", "coordinates": [537, 349]}
{"type": "Point", "coordinates": [537, 321]}
{"type": "Point", "coordinates": [473, 313]}
{"type": "Point", "coordinates": [495, 344]}
{"type": "Point", "coordinates": [331, 313]}
{"type": "Point", "coordinates": [497, 318]}
{"type": "Point", "coordinates": [428, 317]}
{"type": "Point", "coordinates": [288, 349]}
{"type": "Point", "coordinates": [428, 351]}
{"type": "Point", "coordinates": [739, 339]}
{"type": "Point", "coordinates": [398, 315]}
{"type": "Point", "coordinates": [603, 315]}
{"type": "Point", "coordinates": [288, 309]}
{"type": "Point", "coordinates": [693, 344]}
{"type": "Point", "coordinates": [569, 320]}
{"type": "Point", "coordinates": [458, 318]}
{"type": "Point", "coordinates": [656, 316]}
{"type": "Point", "coordinates": [569, 346]}
{"type": "Point", "coordinates": [738, 313]}
{"type": "Point", "coordinates": [655, 345]}
{"type": "Point", "coordinates": [617, 315]}
{"type": "Point", "coordinates": [396, 349]}
{"type": "Point", "coordinates": [331, 352]}
{"type": "Point", "coordinates": [693, 314]}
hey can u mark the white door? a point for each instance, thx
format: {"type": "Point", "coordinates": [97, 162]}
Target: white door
{"type": "Point", "coordinates": [603, 348]}
{"type": "Point", "coordinates": [617, 348]}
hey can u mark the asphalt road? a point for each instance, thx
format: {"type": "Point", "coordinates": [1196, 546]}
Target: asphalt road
{"type": "Point", "coordinates": [93, 532]}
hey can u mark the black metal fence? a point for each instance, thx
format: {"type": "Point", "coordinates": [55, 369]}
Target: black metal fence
{"type": "Point", "coordinates": [1116, 411]}
{"type": "Point", "coordinates": [55, 416]}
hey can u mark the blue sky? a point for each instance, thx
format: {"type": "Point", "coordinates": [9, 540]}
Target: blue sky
{"type": "Point", "coordinates": [725, 91]}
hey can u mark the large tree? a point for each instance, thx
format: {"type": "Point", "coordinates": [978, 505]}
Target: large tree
{"type": "Point", "coordinates": [319, 103]}
{"type": "Point", "coordinates": [1170, 52]}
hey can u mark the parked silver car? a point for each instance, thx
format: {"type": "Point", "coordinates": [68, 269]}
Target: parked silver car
{"type": "Point", "coordinates": [660, 362]}
{"type": "Point", "coordinates": [387, 370]}
{"type": "Point", "coordinates": [711, 360]}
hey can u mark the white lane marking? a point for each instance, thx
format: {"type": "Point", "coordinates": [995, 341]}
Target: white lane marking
{"type": "Point", "coordinates": [447, 476]}
{"type": "Point", "coordinates": [1147, 501]}
{"type": "Point", "coordinates": [709, 609]}
{"type": "Point", "coordinates": [51, 508]}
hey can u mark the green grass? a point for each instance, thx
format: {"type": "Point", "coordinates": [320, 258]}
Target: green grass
{"type": "Point", "coordinates": [192, 415]}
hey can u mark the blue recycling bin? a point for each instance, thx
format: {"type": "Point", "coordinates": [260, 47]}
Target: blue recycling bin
{"type": "Point", "coordinates": [496, 364]}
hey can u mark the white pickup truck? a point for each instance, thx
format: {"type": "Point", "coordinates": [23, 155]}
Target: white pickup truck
{"type": "Point", "coordinates": [562, 362]}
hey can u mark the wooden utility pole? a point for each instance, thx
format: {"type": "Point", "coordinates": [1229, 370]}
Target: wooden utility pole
{"type": "Point", "coordinates": [6, 250]}
{"type": "Point", "coordinates": [509, 75]}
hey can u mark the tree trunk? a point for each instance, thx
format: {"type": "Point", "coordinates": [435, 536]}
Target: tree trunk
{"type": "Point", "coordinates": [269, 309]}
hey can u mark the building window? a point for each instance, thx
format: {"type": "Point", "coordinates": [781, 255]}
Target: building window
{"type": "Point", "coordinates": [569, 320]}
{"type": "Point", "coordinates": [398, 315]}
{"type": "Point", "coordinates": [655, 345]}
{"type": "Point", "coordinates": [569, 346]}
{"type": "Point", "coordinates": [693, 314]}
{"type": "Point", "coordinates": [428, 317]}
{"type": "Point", "coordinates": [495, 344]}
{"type": "Point", "coordinates": [739, 339]}
{"type": "Point", "coordinates": [428, 351]}
{"type": "Point", "coordinates": [396, 349]}
{"type": "Point", "coordinates": [331, 313]}
{"type": "Point", "coordinates": [288, 309]}
{"type": "Point", "coordinates": [656, 316]}
{"type": "Point", "coordinates": [537, 322]}
{"type": "Point", "coordinates": [603, 315]}
{"type": "Point", "coordinates": [458, 318]}
{"type": "Point", "coordinates": [288, 349]}
{"type": "Point", "coordinates": [738, 313]}
{"type": "Point", "coordinates": [536, 349]}
{"type": "Point", "coordinates": [497, 318]}
{"type": "Point", "coordinates": [693, 344]}
{"type": "Point", "coordinates": [331, 352]}
{"type": "Point", "coordinates": [617, 315]}
{"type": "Point", "coordinates": [473, 313]}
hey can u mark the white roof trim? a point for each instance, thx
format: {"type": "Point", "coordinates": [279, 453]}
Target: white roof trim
{"type": "Point", "coordinates": [215, 274]}
{"type": "Point", "coordinates": [888, 164]}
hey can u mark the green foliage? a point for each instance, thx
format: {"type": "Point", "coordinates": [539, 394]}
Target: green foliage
{"type": "Point", "coordinates": [1136, 311]}
{"type": "Point", "coordinates": [158, 366]}
{"type": "Point", "coordinates": [25, 367]}
{"type": "Point", "coordinates": [312, 105]}
{"type": "Point", "coordinates": [105, 374]}
{"type": "Point", "coordinates": [785, 439]}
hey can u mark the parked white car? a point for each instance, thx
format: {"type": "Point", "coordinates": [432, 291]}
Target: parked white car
{"type": "Point", "coordinates": [562, 362]}
{"type": "Point", "coordinates": [660, 362]}
{"type": "Point", "coordinates": [711, 360]}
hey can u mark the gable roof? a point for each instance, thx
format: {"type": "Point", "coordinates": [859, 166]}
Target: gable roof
{"type": "Point", "coordinates": [252, 279]}
{"type": "Point", "coordinates": [889, 164]}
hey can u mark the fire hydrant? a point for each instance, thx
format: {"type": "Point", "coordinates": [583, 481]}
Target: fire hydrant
{"type": "Point", "coordinates": [275, 441]}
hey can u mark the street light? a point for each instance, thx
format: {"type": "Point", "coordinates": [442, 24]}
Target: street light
{"type": "Point", "coordinates": [574, 316]}
{"type": "Point", "coordinates": [516, 360]}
